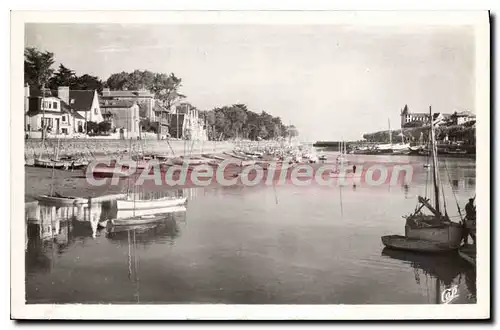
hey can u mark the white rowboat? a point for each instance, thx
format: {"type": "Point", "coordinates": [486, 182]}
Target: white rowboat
{"type": "Point", "coordinates": [130, 204]}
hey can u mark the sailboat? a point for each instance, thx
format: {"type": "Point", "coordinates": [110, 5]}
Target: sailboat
{"type": "Point", "coordinates": [429, 233]}
{"type": "Point", "coordinates": [56, 198]}
{"type": "Point", "coordinates": [132, 203]}
{"type": "Point", "coordinates": [394, 148]}
{"type": "Point", "coordinates": [341, 159]}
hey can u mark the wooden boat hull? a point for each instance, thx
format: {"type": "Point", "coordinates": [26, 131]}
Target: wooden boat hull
{"type": "Point", "coordinates": [450, 234]}
{"type": "Point", "coordinates": [61, 200]}
{"type": "Point", "coordinates": [188, 161]}
{"type": "Point", "coordinates": [418, 245]}
{"type": "Point", "coordinates": [124, 214]}
{"type": "Point", "coordinates": [49, 163]}
{"type": "Point", "coordinates": [210, 156]}
{"type": "Point", "coordinates": [118, 229]}
{"type": "Point", "coordinates": [108, 172]}
{"type": "Point", "coordinates": [145, 219]}
{"type": "Point", "coordinates": [149, 204]}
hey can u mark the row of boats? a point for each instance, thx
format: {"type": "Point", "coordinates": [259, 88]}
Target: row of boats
{"type": "Point", "coordinates": [407, 149]}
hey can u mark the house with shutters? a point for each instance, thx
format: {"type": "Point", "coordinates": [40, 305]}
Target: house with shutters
{"type": "Point", "coordinates": [85, 102]}
{"type": "Point", "coordinates": [123, 115]}
{"type": "Point", "coordinates": [45, 110]}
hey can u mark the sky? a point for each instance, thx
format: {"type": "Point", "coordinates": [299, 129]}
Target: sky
{"type": "Point", "coordinates": [331, 81]}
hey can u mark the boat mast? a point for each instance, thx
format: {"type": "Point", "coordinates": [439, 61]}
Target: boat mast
{"type": "Point", "coordinates": [434, 162]}
{"type": "Point", "coordinates": [390, 133]}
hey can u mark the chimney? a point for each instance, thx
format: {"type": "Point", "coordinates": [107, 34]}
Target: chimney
{"type": "Point", "coordinates": [26, 97]}
{"type": "Point", "coordinates": [63, 93]}
{"type": "Point", "coordinates": [106, 92]}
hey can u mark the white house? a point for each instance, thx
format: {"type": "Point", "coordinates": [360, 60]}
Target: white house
{"type": "Point", "coordinates": [464, 117]}
{"type": "Point", "coordinates": [52, 113]}
{"type": "Point", "coordinates": [85, 102]}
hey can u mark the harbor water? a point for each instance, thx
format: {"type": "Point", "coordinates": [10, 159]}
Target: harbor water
{"type": "Point", "coordinates": [252, 245]}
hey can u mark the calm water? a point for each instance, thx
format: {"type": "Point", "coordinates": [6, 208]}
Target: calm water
{"type": "Point", "coordinates": [241, 245]}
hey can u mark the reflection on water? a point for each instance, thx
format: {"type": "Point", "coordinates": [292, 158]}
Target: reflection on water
{"type": "Point", "coordinates": [444, 271]}
{"type": "Point", "coordinates": [248, 245]}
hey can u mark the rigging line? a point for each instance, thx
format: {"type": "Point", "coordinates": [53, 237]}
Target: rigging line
{"type": "Point", "coordinates": [341, 205]}
{"type": "Point", "coordinates": [442, 191]}
{"type": "Point", "coordinates": [454, 195]}
{"type": "Point", "coordinates": [129, 258]}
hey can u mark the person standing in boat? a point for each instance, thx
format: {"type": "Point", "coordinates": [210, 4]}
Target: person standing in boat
{"type": "Point", "coordinates": [470, 221]}
{"type": "Point", "coordinates": [470, 210]}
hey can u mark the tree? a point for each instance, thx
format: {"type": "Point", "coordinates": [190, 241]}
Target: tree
{"type": "Point", "coordinates": [62, 77]}
{"type": "Point", "coordinates": [88, 82]}
{"type": "Point", "coordinates": [37, 67]}
{"type": "Point", "coordinates": [292, 131]}
{"type": "Point", "coordinates": [117, 81]}
{"type": "Point", "coordinates": [415, 123]}
{"type": "Point", "coordinates": [92, 127]}
{"type": "Point", "coordinates": [104, 127]}
{"type": "Point", "coordinates": [166, 88]}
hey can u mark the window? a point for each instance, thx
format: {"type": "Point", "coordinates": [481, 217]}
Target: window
{"type": "Point", "coordinates": [49, 105]}
{"type": "Point", "coordinates": [63, 118]}
{"type": "Point", "coordinates": [95, 111]}
{"type": "Point", "coordinates": [64, 131]}
{"type": "Point", "coordinates": [54, 105]}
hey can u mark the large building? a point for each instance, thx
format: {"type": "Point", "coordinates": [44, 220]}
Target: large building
{"type": "Point", "coordinates": [144, 98]}
{"type": "Point", "coordinates": [123, 115]}
{"type": "Point", "coordinates": [409, 119]}
{"type": "Point", "coordinates": [186, 123]}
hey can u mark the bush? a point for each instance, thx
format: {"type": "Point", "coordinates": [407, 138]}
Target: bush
{"type": "Point", "coordinates": [104, 127]}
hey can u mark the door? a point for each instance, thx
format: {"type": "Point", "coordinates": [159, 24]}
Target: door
{"type": "Point", "coordinates": [57, 125]}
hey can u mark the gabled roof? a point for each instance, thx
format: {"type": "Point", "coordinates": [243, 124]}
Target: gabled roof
{"type": "Point", "coordinates": [116, 103]}
{"type": "Point", "coordinates": [128, 94]}
{"type": "Point", "coordinates": [158, 108]}
{"type": "Point", "coordinates": [65, 107]}
{"type": "Point", "coordinates": [465, 113]}
{"type": "Point", "coordinates": [81, 100]}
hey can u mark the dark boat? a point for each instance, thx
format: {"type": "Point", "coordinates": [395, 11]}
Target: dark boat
{"type": "Point", "coordinates": [399, 242]}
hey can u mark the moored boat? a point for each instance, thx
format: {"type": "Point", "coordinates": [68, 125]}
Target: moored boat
{"type": "Point", "coordinates": [108, 172]}
{"type": "Point", "coordinates": [210, 156]}
{"type": "Point", "coordinates": [140, 220]}
{"type": "Point", "coordinates": [434, 232]}
{"type": "Point", "coordinates": [190, 161]}
{"type": "Point", "coordinates": [61, 200]}
{"type": "Point", "coordinates": [131, 204]}
{"type": "Point", "coordinates": [418, 245]}
{"type": "Point", "coordinates": [45, 162]}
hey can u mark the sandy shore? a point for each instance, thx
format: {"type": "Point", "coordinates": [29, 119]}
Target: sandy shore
{"type": "Point", "coordinates": [38, 181]}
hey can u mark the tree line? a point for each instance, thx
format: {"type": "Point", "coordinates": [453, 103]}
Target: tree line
{"type": "Point", "coordinates": [237, 121]}
{"type": "Point", "coordinates": [226, 122]}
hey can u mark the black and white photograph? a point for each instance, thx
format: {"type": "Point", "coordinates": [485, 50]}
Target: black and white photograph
{"type": "Point", "coordinates": [217, 161]}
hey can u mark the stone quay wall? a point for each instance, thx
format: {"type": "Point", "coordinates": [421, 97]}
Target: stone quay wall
{"type": "Point", "coordinates": [111, 148]}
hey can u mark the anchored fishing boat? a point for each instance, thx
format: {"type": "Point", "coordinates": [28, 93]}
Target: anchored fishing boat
{"type": "Point", "coordinates": [429, 233]}
{"type": "Point", "coordinates": [51, 163]}
{"type": "Point", "coordinates": [210, 156]}
{"type": "Point", "coordinates": [61, 200]}
{"type": "Point", "coordinates": [190, 161]}
{"type": "Point", "coordinates": [134, 204]}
